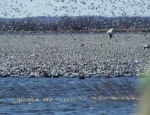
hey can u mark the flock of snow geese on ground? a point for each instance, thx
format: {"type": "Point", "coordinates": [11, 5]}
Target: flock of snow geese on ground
{"type": "Point", "coordinates": [17, 7]}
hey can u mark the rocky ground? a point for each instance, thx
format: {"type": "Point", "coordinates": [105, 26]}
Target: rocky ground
{"type": "Point", "coordinates": [83, 55]}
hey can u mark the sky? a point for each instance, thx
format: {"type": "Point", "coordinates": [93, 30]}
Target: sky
{"type": "Point", "coordinates": [109, 8]}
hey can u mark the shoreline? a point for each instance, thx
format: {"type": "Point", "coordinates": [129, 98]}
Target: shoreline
{"type": "Point", "coordinates": [136, 30]}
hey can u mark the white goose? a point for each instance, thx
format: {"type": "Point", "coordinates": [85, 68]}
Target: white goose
{"type": "Point", "coordinates": [110, 32]}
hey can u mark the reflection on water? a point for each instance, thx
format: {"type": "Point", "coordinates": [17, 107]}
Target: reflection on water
{"type": "Point", "coordinates": [105, 96]}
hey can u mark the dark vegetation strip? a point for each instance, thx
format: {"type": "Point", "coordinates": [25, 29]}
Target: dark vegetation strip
{"type": "Point", "coordinates": [74, 24]}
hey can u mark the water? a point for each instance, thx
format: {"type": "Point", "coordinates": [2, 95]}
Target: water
{"type": "Point", "coordinates": [58, 96]}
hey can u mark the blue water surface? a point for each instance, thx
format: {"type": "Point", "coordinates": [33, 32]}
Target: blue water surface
{"type": "Point", "coordinates": [66, 96]}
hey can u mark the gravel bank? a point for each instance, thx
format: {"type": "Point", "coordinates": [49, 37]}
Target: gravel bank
{"type": "Point", "coordinates": [73, 55]}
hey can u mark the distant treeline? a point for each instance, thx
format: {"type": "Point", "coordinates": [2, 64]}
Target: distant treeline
{"type": "Point", "coordinates": [78, 23]}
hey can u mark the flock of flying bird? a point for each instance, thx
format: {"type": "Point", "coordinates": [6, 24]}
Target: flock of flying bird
{"type": "Point", "coordinates": [15, 7]}
{"type": "Point", "coordinates": [74, 7]}
{"type": "Point", "coordinates": [77, 6]}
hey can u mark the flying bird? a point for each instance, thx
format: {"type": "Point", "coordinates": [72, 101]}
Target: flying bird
{"type": "Point", "coordinates": [146, 46]}
{"type": "Point", "coordinates": [110, 32]}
